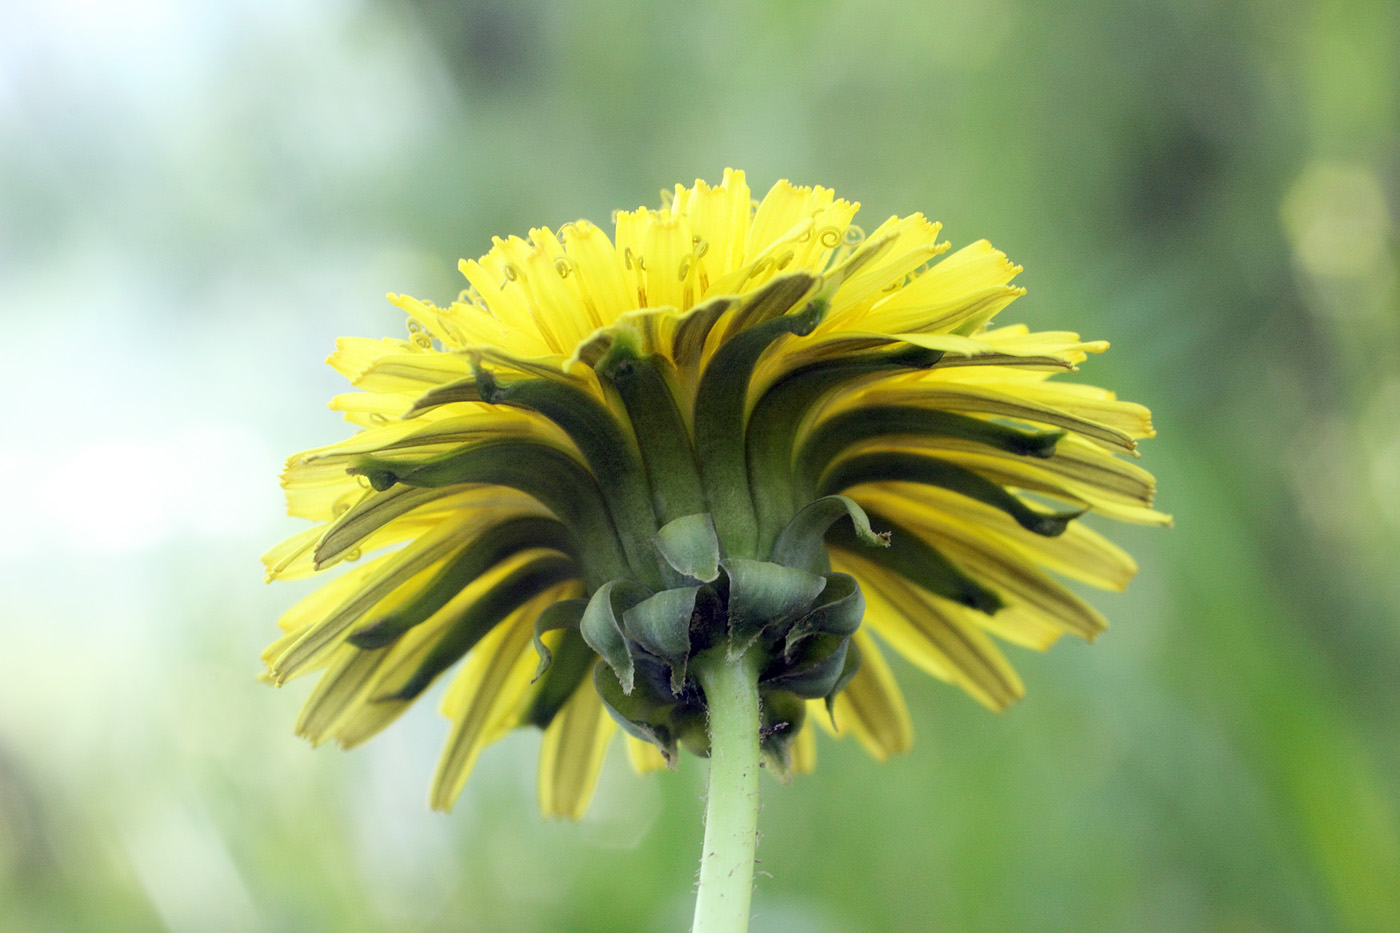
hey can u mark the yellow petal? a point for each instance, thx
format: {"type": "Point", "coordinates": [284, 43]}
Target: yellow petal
{"type": "Point", "coordinates": [494, 281]}
{"type": "Point", "coordinates": [1080, 553]}
{"type": "Point", "coordinates": [484, 698]}
{"type": "Point", "coordinates": [427, 317]}
{"type": "Point", "coordinates": [667, 263]}
{"type": "Point", "coordinates": [930, 390]}
{"type": "Point", "coordinates": [599, 271]}
{"type": "Point", "coordinates": [936, 635]}
{"type": "Point", "coordinates": [559, 296]}
{"type": "Point", "coordinates": [1018, 581]}
{"type": "Point", "coordinates": [629, 238]}
{"type": "Point", "coordinates": [719, 219]}
{"type": "Point", "coordinates": [571, 754]}
{"type": "Point", "coordinates": [804, 747]}
{"type": "Point", "coordinates": [412, 567]}
{"type": "Point", "coordinates": [913, 242]}
{"type": "Point", "coordinates": [872, 707]}
{"type": "Point", "coordinates": [1030, 474]}
{"type": "Point", "coordinates": [319, 603]}
{"type": "Point", "coordinates": [297, 548]}
{"type": "Point", "coordinates": [783, 207]}
{"type": "Point", "coordinates": [342, 689]}
{"type": "Point", "coordinates": [410, 374]}
{"type": "Point", "coordinates": [355, 354]}
{"type": "Point", "coordinates": [644, 756]}
{"type": "Point", "coordinates": [384, 518]}
{"type": "Point", "coordinates": [533, 283]}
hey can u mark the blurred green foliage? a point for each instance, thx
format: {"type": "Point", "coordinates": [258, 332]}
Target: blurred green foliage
{"type": "Point", "coordinates": [1211, 187]}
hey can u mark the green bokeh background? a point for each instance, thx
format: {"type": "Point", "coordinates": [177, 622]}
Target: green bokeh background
{"type": "Point", "coordinates": [196, 199]}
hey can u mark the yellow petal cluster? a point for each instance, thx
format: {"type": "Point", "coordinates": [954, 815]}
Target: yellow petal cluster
{"type": "Point", "coordinates": [677, 284]}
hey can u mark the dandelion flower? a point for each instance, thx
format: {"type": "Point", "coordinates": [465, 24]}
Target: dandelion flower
{"type": "Point", "coordinates": [735, 429]}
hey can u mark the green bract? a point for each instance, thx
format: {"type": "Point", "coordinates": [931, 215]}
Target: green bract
{"type": "Point", "coordinates": [798, 621]}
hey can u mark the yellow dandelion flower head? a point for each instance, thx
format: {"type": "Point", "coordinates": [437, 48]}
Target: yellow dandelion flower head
{"type": "Point", "coordinates": [733, 425]}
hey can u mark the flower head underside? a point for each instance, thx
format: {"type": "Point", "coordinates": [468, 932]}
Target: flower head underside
{"type": "Point", "coordinates": [727, 427]}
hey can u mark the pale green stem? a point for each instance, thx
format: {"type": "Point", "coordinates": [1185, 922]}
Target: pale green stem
{"type": "Point", "coordinates": [731, 806]}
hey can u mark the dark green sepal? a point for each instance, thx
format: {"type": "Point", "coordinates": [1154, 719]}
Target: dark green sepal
{"type": "Point", "coordinates": [462, 633]}
{"type": "Point", "coordinates": [782, 409]}
{"type": "Point", "coordinates": [837, 611]}
{"type": "Point", "coordinates": [660, 624]}
{"type": "Point", "coordinates": [550, 475]}
{"type": "Point", "coordinates": [570, 665]}
{"type": "Point", "coordinates": [601, 626]}
{"type": "Point", "coordinates": [565, 615]}
{"type": "Point", "coordinates": [367, 516]}
{"type": "Point", "coordinates": [689, 718]}
{"type": "Point", "coordinates": [690, 725]}
{"type": "Point", "coordinates": [921, 563]}
{"type": "Point", "coordinates": [764, 596]}
{"type": "Point", "coordinates": [690, 546]}
{"type": "Point", "coordinates": [802, 542]}
{"type": "Point", "coordinates": [918, 468]}
{"type": "Point", "coordinates": [653, 677]}
{"type": "Point", "coordinates": [644, 386]}
{"type": "Point", "coordinates": [835, 435]}
{"type": "Point", "coordinates": [488, 549]}
{"type": "Point", "coordinates": [463, 390]}
{"type": "Point", "coordinates": [709, 624]}
{"type": "Point", "coordinates": [720, 408]}
{"type": "Point", "coordinates": [639, 713]}
{"type": "Point", "coordinates": [812, 670]}
{"type": "Point", "coordinates": [782, 719]}
{"type": "Point", "coordinates": [608, 448]}
{"type": "Point", "coordinates": [774, 299]}
{"type": "Point", "coordinates": [848, 671]}
{"type": "Point", "coordinates": [693, 330]}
